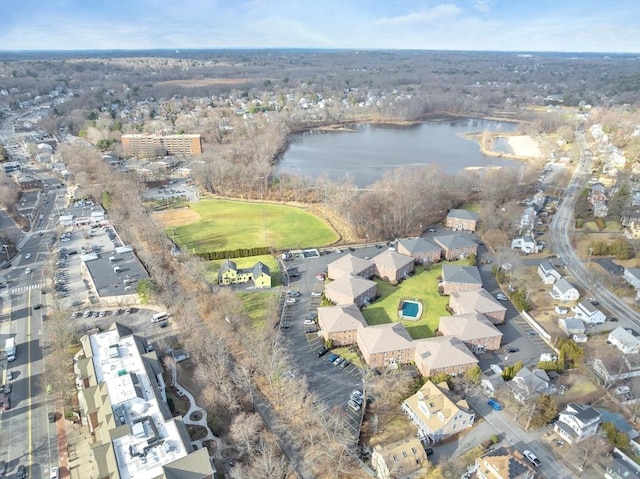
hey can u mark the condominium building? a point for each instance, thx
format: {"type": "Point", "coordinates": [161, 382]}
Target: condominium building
{"type": "Point", "coordinates": [122, 400]}
{"type": "Point", "coordinates": [151, 146]}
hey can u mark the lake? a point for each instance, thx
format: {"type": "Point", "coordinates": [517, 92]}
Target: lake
{"type": "Point", "coordinates": [367, 153]}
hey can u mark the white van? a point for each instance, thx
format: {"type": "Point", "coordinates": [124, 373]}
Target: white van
{"type": "Point", "coordinates": [160, 317]}
{"type": "Point", "coordinates": [532, 458]}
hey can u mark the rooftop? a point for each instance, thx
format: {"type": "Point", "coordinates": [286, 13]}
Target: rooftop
{"type": "Point", "coordinates": [109, 282]}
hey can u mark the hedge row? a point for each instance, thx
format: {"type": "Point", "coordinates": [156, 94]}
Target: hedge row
{"type": "Point", "coordinates": [235, 253]}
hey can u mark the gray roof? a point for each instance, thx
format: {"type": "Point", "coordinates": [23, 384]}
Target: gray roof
{"type": "Point", "coordinates": [260, 268]}
{"type": "Point", "coordinates": [547, 267]}
{"type": "Point", "coordinates": [196, 465]}
{"type": "Point", "coordinates": [478, 300]}
{"type": "Point", "coordinates": [443, 352]}
{"type": "Point", "coordinates": [587, 307]}
{"type": "Point", "coordinates": [419, 245]}
{"type": "Point", "coordinates": [110, 283]}
{"type": "Point", "coordinates": [572, 324]}
{"type": "Point", "coordinates": [350, 264]}
{"type": "Point", "coordinates": [463, 214]}
{"type": "Point", "coordinates": [385, 337]}
{"type": "Point", "coordinates": [391, 259]}
{"type": "Point", "coordinates": [352, 286]}
{"type": "Point", "coordinates": [227, 265]}
{"type": "Point", "coordinates": [461, 274]}
{"type": "Point", "coordinates": [468, 327]}
{"type": "Point", "coordinates": [455, 241]}
{"type": "Point", "coordinates": [635, 272]}
{"type": "Point", "coordinates": [563, 286]}
{"type": "Point", "coordinates": [334, 319]}
{"type": "Point", "coordinates": [585, 414]}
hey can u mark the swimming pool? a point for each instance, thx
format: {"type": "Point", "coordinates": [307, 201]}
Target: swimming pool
{"type": "Point", "coordinates": [410, 309]}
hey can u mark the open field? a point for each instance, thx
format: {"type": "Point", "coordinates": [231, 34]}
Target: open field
{"type": "Point", "coordinates": [423, 285]}
{"type": "Point", "coordinates": [259, 305]}
{"type": "Point", "coordinates": [215, 225]}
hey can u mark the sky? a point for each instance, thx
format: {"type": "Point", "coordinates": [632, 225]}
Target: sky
{"type": "Point", "coordinates": [503, 25]}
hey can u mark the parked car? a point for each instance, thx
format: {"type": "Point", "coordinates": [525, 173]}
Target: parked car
{"type": "Point", "coordinates": [27, 256]}
{"type": "Point", "coordinates": [294, 294]}
{"type": "Point", "coordinates": [291, 300]}
{"type": "Point", "coordinates": [22, 472]}
{"type": "Point", "coordinates": [37, 306]}
{"type": "Point", "coordinates": [532, 458]}
{"type": "Point", "coordinates": [285, 326]}
{"type": "Point", "coordinates": [321, 277]}
{"type": "Point", "coordinates": [27, 271]}
{"type": "Point", "coordinates": [429, 451]}
{"type": "Point", "coordinates": [6, 403]}
{"type": "Point", "coordinates": [338, 361]}
{"type": "Point", "coordinates": [332, 357]}
{"type": "Point", "coordinates": [3, 467]}
{"type": "Point", "coordinates": [613, 319]}
{"type": "Point", "coordinates": [316, 293]}
{"type": "Point", "coordinates": [513, 350]}
{"type": "Point", "coordinates": [532, 333]}
{"type": "Point", "coordinates": [309, 322]}
{"type": "Point", "coordinates": [52, 416]}
{"type": "Point", "coordinates": [502, 297]}
{"type": "Point", "coordinates": [354, 406]}
{"type": "Point", "coordinates": [494, 404]}
{"type": "Point", "coordinates": [54, 473]}
{"type": "Point", "coordinates": [321, 352]}
{"type": "Point", "coordinates": [310, 330]}
{"type": "Point", "coordinates": [344, 364]}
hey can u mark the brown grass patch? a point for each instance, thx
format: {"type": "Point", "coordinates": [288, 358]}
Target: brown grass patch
{"type": "Point", "coordinates": [206, 82]}
{"type": "Point", "coordinates": [179, 217]}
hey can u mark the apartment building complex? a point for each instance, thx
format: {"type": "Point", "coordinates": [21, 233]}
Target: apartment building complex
{"type": "Point", "coordinates": [151, 146]}
{"type": "Point", "coordinates": [122, 399]}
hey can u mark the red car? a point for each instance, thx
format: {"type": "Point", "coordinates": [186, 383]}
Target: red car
{"type": "Point", "coordinates": [6, 403]}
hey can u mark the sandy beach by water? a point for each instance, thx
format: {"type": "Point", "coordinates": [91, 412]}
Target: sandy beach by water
{"type": "Point", "coordinates": [525, 146]}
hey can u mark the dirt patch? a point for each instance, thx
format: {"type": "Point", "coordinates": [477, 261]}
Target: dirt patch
{"type": "Point", "coordinates": [196, 432]}
{"type": "Point", "coordinates": [173, 218]}
{"type": "Point", "coordinates": [206, 82]}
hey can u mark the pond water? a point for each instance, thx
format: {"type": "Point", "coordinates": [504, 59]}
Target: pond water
{"type": "Point", "coordinates": [370, 151]}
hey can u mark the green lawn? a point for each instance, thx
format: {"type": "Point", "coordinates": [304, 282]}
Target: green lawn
{"type": "Point", "coordinates": [247, 262]}
{"type": "Point", "coordinates": [423, 285]}
{"type": "Point", "coordinates": [258, 304]}
{"type": "Point", "coordinates": [229, 225]}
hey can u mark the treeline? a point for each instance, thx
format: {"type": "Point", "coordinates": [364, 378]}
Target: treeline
{"type": "Point", "coordinates": [236, 253]}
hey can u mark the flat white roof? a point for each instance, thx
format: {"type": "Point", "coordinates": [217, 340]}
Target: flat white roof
{"type": "Point", "coordinates": [152, 441]}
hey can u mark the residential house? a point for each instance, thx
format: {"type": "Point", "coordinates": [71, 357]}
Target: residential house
{"type": "Point", "coordinates": [340, 324]}
{"type": "Point", "coordinates": [456, 278]}
{"type": "Point", "coordinates": [456, 246]}
{"type": "Point", "coordinates": [621, 466]}
{"type": "Point", "coordinates": [437, 412]}
{"type": "Point", "coordinates": [526, 244]}
{"type": "Point", "coordinates": [529, 384]}
{"type": "Point", "coordinates": [25, 181]}
{"type": "Point", "coordinates": [588, 313]}
{"type": "Point", "coordinates": [571, 326]}
{"type": "Point", "coordinates": [564, 291]}
{"type": "Point", "coordinates": [476, 331]}
{"type": "Point", "coordinates": [503, 463]}
{"type": "Point", "coordinates": [600, 210]}
{"type": "Point", "coordinates": [443, 354]}
{"type": "Point", "coordinates": [597, 194]}
{"type": "Point", "coordinates": [528, 219]}
{"type": "Point", "coordinates": [462, 220]}
{"type": "Point", "coordinates": [392, 266]}
{"type": "Point", "coordinates": [229, 273]}
{"type": "Point", "coordinates": [632, 231]}
{"type": "Point", "coordinates": [577, 422]}
{"type": "Point", "coordinates": [386, 344]}
{"type": "Point", "coordinates": [402, 459]}
{"type": "Point", "coordinates": [351, 289]}
{"type": "Point", "coordinates": [632, 276]}
{"type": "Point", "coordinates": [629, 215]}
{"type": "Point", "coordinates": [351, 265]}
{"type": "Point", "coordinates": [478, 301]}
{"type": "Point", "coordinates": [626, 342]}
{"type": "Point", "coordinates": [261, 275]}
{"type": "Point", "coordinates": [613, 367]}
{"type": "Point", "coordinates": [422, 249]}
{"type": "Point", "coordinates": [492, 383]}
{"type": "Point", "coordinates": [548, 273]}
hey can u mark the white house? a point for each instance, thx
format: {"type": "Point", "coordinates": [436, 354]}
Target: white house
{"type": "Point", "coordinates": [529, 384]}
{"type": "Point", "coordinates": [564, 291]}
{"type": "Point", "coordinates": [571, 326]}
{"type": "Point", "coordinates": [626, 342]}
{"type": "Point", "coordinates": [588, 313]}
{"type": "Point", "coordinates": [548, 274]}
{"type": "Point", "coordinates": [525, 244]}
{"type": "Point", "coordinates": [577, 422]}
{"type": "Point", "coordinates": [632, 276]}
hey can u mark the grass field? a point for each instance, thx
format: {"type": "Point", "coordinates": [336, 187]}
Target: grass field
{"type": "Point", "coordinates": [258, 305]}
{"type": "Point", "coordinates": [216, 225]}
{"type": "Point", "coordinates": [423, 285]}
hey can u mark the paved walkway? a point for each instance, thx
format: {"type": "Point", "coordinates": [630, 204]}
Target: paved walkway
{"type": "Point", "coordinates": [194, 408]}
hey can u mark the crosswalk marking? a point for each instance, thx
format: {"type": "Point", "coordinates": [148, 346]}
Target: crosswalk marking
{"type": "Point", "coordinates": [26, 288]}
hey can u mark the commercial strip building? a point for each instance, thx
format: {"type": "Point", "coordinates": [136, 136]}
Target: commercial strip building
{"type": "Point", "coordinates": [122, 399]}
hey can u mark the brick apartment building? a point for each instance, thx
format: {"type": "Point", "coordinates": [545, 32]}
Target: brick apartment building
{"type": "Point", "coordinates": [151, 146]}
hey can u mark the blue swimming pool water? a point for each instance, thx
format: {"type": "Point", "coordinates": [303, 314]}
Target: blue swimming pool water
{"type": "Point", "coordinates": [410, 309]}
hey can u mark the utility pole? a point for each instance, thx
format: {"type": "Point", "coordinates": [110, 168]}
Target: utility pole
{"type": "Point", "coordinates": [590, 253]}
{"type": "Point", "coordinates": [530, 416]}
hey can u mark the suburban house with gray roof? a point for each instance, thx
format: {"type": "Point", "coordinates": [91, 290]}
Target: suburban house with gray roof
{"type": "Point", "coordinates": [387, 344]}
{"type": "Point", "coordinates": [564, 291]}
{"type": "Point", "coordinates": [473, 329]}
{"type": "Point", "coordinates": [443, 354]}
{"type": "Point", "coordinates": [437, 412]}
{"type": "Point", "coordinates": [351, 289]}
{"type": "Point", "coordinates": [588, 313]}
{"type": "Point", "coordinates": [351, 265]}
{"type": "Point", "coordinates": [462, 220]}
{"type": "Point", "coordinates": [571, 326]}
{"type": "Point", "coordinates": [626, 342]}
{"type": "Point", "coordinates": [456, 246]}
{"type": "Point", "coordinates": [614, 367]}
{"type": "Point", "coordinates": [632, 276]}
{"type": "Point", "coordinates": [340, 324]}
{"type": "Point", "coordinates": [456, 278]}
{"type": "Point", "coordinates": [577, 422]}
{"type": "Point", "coordinates": [548, 273]}
{"type": "Point", "coordinates": [392, 266]}
{"type": "Point", "coordinates": [422, 249]}
{"type": "Point", "coordinates": [478, 301]}
{"type": "Point", "coordinates": [530, 384]}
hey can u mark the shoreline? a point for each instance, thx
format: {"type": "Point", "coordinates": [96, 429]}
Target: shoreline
{"type": "Point", "coordinates": [524, 147]}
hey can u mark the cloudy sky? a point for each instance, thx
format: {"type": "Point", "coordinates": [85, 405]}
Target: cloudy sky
{"type": "Point", "coordinates": [515, 25]}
